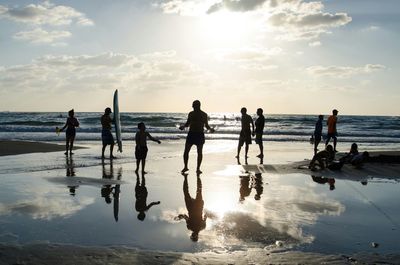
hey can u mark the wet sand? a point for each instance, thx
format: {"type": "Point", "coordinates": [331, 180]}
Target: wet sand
{"type": "Point", "coordinates": [164, 163]}
{"type": "Point", "coordinates": [24, 147]}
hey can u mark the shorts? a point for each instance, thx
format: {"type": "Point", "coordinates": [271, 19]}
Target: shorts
{"type": "Point", "coordinates": [259, 139]}
{"type": "Point", "coordinates": [195, 138]}
{"type": "Point", "coordinates": [331, 135]}
{"type": "Point", "coordinates": [107, 137]}
{"type": "Point", "coordinates": [141, 152]}
{"type": "Point", "coordinates": [317, 137]}
{"type": "Point", "coordinates": [245, 137]}
{"type": "Point", "coordinates": [70, 133]}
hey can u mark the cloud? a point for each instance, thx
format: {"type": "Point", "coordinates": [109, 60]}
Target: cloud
{"type": "Point", "coordinates": [314, 44]}
{"type": "Point", "coordinates": [102, 71]}
{"type": "Point", "coordinates": [45, 14]}
{"type": "Point", "coordinates": [236, 6]}
{"type": "Point", "coordinates": [344, 71]}
{"type": "Point", "coordinates": [41, 36]}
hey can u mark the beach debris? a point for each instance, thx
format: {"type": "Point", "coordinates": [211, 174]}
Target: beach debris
{"type": "Point", "coordinates": [374, 244]}
{"type": "Point", "coordinates": [279, 243]}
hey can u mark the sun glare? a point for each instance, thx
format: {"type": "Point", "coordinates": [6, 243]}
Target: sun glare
{"type": "Point", "coordinates": [226, 27]}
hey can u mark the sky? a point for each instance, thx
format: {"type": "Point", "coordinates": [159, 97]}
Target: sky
{"type": "Point", "coordinates": [285, 56]}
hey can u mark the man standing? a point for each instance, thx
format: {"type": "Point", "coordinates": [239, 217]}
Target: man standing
{"type": "Point", "coordinates": [260, 122]}
{"type": "Point", "coordinates": [106, 135]}
{"type": "Point", "coordinates": [197, 120]}
{"type": "Point", "coordinates": [332, 133]}
{"type": "Point", "coordinates": [245, 133]}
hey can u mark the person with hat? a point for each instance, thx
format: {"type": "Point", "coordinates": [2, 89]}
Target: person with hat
{"type": "Point", "coordinates": [332, 133]}
{"type": "Point", "coordinates": [106, 135]}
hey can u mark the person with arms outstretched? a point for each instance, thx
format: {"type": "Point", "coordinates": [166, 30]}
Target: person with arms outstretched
{"type": "Point", "coordinates": [106, 135]}
{"type": "Point", "coordinates": [332, 133]}
{"type": "Point", "coordinates": [141, 146]}
{"type": "Point", "coordinates": [246, 132]}
{"type": "Point", "coordinates": [70, 133]}
{"type": "Point", "coordinates": [197, 120]}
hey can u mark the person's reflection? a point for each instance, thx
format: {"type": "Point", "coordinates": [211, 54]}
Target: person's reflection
{"type": "Point", "coordinates": [245, 187]}
{"type": "Point", "coordinates": [70, 168]}
{"type": "Point", "coordinates": [258, 186]}
{"type": "Point", "coordinates": [106, 190]}
{"type": "Point", "coordinates": [195, 221]}
{"type": "Point", "coordinates": [141, 198]}
{"type": "Point", "coordinates": [117, 191]}
{"type": "Point", "coordinates": [323, 180]}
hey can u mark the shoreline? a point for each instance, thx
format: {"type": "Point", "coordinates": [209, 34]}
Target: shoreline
{"type": "Point", "coordinates": [10, 147]}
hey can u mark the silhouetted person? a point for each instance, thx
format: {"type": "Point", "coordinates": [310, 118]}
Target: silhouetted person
{"type": "Point", "coordinates": [106, 135]}
{"type": "Point", "coordinates": [318, 133]}
{"type": "Point", "coordinates": [70, 172]}
{"type": "Point", "coordinates": [349, 156]}
{"type": "Point", "coordinates": [260, 122]}
{"type": "Point", "coordinates": [245, 187]}
{"type": "Point", "coordinates": [70, 133]}
{"type": "Point", "coordinates": [332, 132]}
{"type": "Point", "coordinates": [195, 221]}
{"type": "Point", "coordinates": [141, 146]}
{"type": "Point", "coordinates": [141, 198]}
{"type": "Point", "coordinates": [258, 186]}
{"type": "Point", "coordinates": [246, 132]}
{"type": "Point", "coordinates": [323, 180]}
{"type": "Point", "coordinates": [322, 158]}
{"type": "Point", "coordinates": [197, 120]}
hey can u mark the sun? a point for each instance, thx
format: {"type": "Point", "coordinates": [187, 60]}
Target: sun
{"type": "Point", "coordinates": [226, 27]}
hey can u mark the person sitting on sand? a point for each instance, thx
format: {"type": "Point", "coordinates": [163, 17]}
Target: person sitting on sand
{"type": "Point", "coordinates": [106, 135]}
{"type": "Point", "coordinates": [195, 221]}
{"type": "Point", "coordinates": [197, 120]}
{"type": "Point", "coordinates": [141, 198]}
{"type": "Point", "coordinates": [322, 158]}
{"type": "Point", "coordinates": [359, 159]}
{"type": "Point", "coordinates": [141, 146]}
{"type": "Point", "coordinates": [245, 133]}
{"type": "Point", "coordinates": [70, 133]}
{"type": "Point", "coordinates": [349, 156]}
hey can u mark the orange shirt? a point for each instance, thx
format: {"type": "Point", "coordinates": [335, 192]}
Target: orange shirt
{"type": "Point", "coordinates": [332, 124]}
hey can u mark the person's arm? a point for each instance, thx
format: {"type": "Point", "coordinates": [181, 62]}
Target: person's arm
{"type": "Point", "coordinates": [207, 125]}
{"type": "Point", "coordinates": [252, 125]}
{"type": "Point", "coordinates": [152, 204]}
{"type": "Point", "coordinates": [76, 122]}
{"type": "Point", "coordinates": [65, 126]}
{"type": "Point", "coordinates": [137, 138]}
{"type": "Point", "coordinates": [187, 124]}
{"type": "Point", "coordinates": [152, 138]}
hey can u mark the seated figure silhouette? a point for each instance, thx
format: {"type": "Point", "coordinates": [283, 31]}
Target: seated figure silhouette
{"type": "Point", "coordinates": [141, 198]}
{"type": "Point", "coordinates": [195, 220]}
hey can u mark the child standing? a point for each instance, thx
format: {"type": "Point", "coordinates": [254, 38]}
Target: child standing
{"type": "Point", "coordinates": [70, 133]}
{"type": "Point", "coordinates": [141, 146]}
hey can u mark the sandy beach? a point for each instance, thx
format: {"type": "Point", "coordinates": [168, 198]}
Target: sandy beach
{"type": "Point", "coordinates": [25, 147]}
{"type": "Point", "coordinates": [63, 217]}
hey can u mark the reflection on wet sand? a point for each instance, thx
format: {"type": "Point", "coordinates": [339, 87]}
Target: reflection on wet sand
{"type": "Point", "coordinates": [249, 182]}
{"type": "Point", "coordinates": [70, 172]}
{"type": "Point", "coordinates": [323, 180]}
{"type": "Point", "coordinates": [141, 198]}
{"type": "Point", "coordinates": [195, 220]}
{"type": "Point", "coordinates": [108, 190]}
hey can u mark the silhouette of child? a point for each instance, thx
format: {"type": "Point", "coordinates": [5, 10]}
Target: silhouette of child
{"type": "Point", "coordinates": [70, 133]}
{"type": "Point", "coordinates": [322, 158]}
{"type": "Point", "coordinates": [141, 146]}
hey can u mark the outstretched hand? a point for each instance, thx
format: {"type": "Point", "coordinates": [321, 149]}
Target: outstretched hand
{"type": "Point", "coordinates": [182, 127]}
{"type": "Point", "coordinates": [212, 130]}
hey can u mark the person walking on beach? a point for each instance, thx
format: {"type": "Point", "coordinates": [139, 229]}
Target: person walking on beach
{"type": "Point", "coordinates": [70, 133]}
{"type": "Point", "coordinates": [332, 133]}
{"type": "Point", "coordinates": [141, 146]}
{"type": "Point", "coordinates": [245, 133]}
{"type": "Point", "coordinates": [106, 135]}
{"type": "Point", "coordinates": [318, 133]}
{"type": "Point", "coordinates": [197, 120]}
{"type": "Point", "coordinates": [260, 122]}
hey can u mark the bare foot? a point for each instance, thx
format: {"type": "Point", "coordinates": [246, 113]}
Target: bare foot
{"type": "Point", "coordinates": [137, 170]}
{"type": "Point", "coordinates": [144, 172]}
{"type": "Point", "coordinates": [185, 169]}
{"type": "Point", "coordinates": [112, 157]}
{"type": "Point", "coordinates": [198, 171]}
{"type": "Point", "coordinates": [260, 156]}
{"type": "Point", "coordinates": [66, 153]}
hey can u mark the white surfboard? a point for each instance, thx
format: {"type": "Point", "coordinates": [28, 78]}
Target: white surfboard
{"type": "Point", "coordinates": [117, 121]}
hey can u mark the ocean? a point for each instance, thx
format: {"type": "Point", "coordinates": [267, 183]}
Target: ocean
{"type": "Point", "coordinates": [381, 131]}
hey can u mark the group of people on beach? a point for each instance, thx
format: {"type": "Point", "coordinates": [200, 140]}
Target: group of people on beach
{"type": "Point", "coordinates": [197, 121]}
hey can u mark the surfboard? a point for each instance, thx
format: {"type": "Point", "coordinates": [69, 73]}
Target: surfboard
{"type": "Point", "coordinates": [117, 121]}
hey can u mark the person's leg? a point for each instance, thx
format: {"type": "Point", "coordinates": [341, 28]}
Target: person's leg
{"type": "Point", "coordinates": [137, 165]}
{"type": "Point", "coordinates": [260, 145]}
{"type": "Point", "coordinates": [199, 157]}
{"type": "Point", "coordinates": [102, 150]}
{"type": "Point", "coordinates": [143, 166]}
{"type": "Point", "coordinates": [238, 149]}
{"type": "Point", "coordinates": [316, 143]}
{"type": "Point", "coordinates": [246, 150]}
{"type": "Point", "coordinates": [327, 139]}
{"type": "Point", "coordinates": [71, 145]}
{"type": "Point", "coordinates": [66, 145]}
{"type": "Point", "coordinates": [334, 143]}
{"type": "Point", "coordinates": [111, 150]}
{"type": "Point", "coordinates": [186, 157]}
